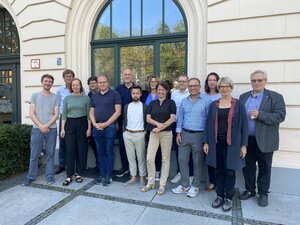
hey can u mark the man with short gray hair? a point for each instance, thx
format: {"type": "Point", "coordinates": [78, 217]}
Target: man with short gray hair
{"type": "Point", "coordinates": [265, 110]}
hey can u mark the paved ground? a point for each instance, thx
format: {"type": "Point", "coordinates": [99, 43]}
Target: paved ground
{"type": "Point", "coordinates": [88, 203]}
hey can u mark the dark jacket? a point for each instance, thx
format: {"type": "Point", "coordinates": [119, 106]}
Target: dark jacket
{"type": "Point", "coordinates": [270, 114]}
{"type": "Point", "coordinates": [239, 136]}
{"type": "Point", "coordinates": [125, 116]}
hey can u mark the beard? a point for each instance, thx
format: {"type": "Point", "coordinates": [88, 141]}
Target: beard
{"type": "Point", "coordinates": [135, 99]}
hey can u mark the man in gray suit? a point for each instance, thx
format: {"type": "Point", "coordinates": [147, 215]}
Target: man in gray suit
{"type": "Point", "coordinates": [266, 110]}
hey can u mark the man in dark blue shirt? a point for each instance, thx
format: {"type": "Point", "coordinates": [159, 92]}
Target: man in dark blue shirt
{"type": "Point", "coordinates": [124, 91]}
{"type": "Point", "coordinates": [105, 110]}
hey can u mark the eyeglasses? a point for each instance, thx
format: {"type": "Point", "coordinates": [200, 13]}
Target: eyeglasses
{"type": "Point", "coordinates": [224, 86]}
{"type": "Point", "coordinates": [257, 81]}
{"type": "Point", "coordinates": [193, 86]}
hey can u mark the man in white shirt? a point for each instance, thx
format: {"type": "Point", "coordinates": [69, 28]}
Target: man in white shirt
{"type": "Point", "coordinates": [134, 124]}
{"type": "Point", "coordinates": [177, 97]}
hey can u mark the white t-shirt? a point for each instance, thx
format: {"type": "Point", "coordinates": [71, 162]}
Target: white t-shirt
{"type": "Point", "coordinates": [135, 117]}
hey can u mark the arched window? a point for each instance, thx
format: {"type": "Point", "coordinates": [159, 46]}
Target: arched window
{"type": "Point", "coordinates": [149, 36]}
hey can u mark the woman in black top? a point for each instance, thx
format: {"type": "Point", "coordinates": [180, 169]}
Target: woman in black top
{"type": "Point", "coordinates": [160, 116]}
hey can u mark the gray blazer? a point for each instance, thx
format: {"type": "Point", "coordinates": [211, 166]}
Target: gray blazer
{"type": "Point", "coordinates": [271, 113]}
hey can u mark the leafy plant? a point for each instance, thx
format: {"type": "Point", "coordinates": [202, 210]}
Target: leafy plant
{"type": "Point", "coordinates": [14, 149]}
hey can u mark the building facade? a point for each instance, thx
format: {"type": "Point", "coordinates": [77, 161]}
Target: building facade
{"type": "Point", "coordinates": [164, 37]}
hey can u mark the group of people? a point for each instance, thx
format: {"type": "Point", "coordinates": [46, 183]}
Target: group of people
{"type": "Point", "coordinates": [212, 133]}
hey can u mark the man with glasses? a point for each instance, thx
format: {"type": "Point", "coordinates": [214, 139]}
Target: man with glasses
{"type": "Point", "coordinates": [191, 121]}
{"type": "Point", "coordinates": [62, 92]}
{"type": "Point", "coordinates": [265, 110]}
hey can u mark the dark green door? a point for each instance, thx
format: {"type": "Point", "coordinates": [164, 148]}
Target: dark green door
{"type": "Point", "coordinates": [10, 107]}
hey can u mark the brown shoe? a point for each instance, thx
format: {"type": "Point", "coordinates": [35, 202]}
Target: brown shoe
{"type": "Point", "coordinates": [147, 187]}
{"type": "Point", "coordinates": [161, 190]}
{"type": "Point", "coordinates": [209, 187]}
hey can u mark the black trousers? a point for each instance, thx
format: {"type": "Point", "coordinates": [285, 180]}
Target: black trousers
{"type": "Point", "coordinates": [264, 161]}
{"type": "Point", "coordinates": [76, 145]}
{"type": "Point", "coordinates": [225, 178]}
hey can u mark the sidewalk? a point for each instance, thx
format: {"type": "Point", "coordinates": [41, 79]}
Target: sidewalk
{"type": "Point", "coordinates": [88, 203]}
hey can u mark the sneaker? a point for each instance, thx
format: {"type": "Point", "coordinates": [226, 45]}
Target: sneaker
{"type": "Point", "coordinates": [99, 180]}
{"type": "Point", "coordinates": [122, 172]}
{"type": "Point", "coordinates": [227, 205]}
{"type": "Point", "coordinates": [217, 202]}
{"type": "Point", "coordinates": [105, 181]}
{"type": "Point", "coordinates": [50, 180]}
{"type": "Point", "coordinates": [59, 170]}
{"type": "Point", "coordinates": [26, 182]}
{"type": "Point", "coordinates": [180, 190]}
{"type": "Point", "coordinates": [263, 200]}
{"type": "Point", "coordinates": [157, 176]}
{"type": "Point", "coordinates": [176, 179]}
{"type": "Point", "coordinates": [192, 192]}
{"type": "Point", "coordinates": [246, 195]}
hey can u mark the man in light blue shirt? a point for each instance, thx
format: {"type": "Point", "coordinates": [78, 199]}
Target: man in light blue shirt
{"type": "Point", "coordinates": [191, 121]}
{"type": "Point", "coordinates": [62, 92]}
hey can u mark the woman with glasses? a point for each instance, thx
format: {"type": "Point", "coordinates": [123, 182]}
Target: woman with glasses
{"type": "Point", "coordinates": [225, 140]}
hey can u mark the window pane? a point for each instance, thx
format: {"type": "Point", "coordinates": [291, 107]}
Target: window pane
{"type": "Point", "coordinates": [140, 59]}
{"type": "Point", "coordinates": [104, 63]}
{"type": "Point", "coordinates": [152, 17]}
{"type": "Point", "coordinates": [172, 60]}
{"type": "Point", "coordinates": [136, 17]}
{"type": "Point", "coordinates": [120, 18]}
{"type": "Point", "coordinates": [173, 17]}
{"type": "Point", "coordinates": [102, 30]}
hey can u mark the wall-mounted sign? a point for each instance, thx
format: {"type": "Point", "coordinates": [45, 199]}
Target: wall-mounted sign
{"type": "Point", "coordinates": [35, 63]}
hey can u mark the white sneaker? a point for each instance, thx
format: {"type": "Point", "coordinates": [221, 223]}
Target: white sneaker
{"type": "Point", "coordinates": [180, 190]}
{"type": "Point", "coordinates": [157, 175]}
{"type": "Point", "coordinates": [176, 179]}
{"type": "Point", "coordinates": [192, 192]}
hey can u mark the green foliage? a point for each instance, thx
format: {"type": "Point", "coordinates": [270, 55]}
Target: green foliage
{"type": "Point", "coordinates": [14, 149]}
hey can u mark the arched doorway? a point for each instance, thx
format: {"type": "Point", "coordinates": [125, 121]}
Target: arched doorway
{"type": "Point", "coordinates": [148, 36]}
{"type": "Point", "coordinates": [10, 109]}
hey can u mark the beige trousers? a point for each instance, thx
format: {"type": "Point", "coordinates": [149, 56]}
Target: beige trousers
{"type": "Point", "coordinates": [135, 148]}
{"type": "Point", "coordinates": [164, 139]}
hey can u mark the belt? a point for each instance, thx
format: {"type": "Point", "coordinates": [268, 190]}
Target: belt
{"type": "Point", "coordinates": [192, 131]}
{"type": "Point", "coordinates": [134, 131]}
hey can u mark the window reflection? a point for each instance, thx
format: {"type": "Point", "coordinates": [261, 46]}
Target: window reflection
{"type": "Point", "coordinates": [173, 18]}
{"type": "Point", "coordinates": [152, 17]}
{"type": "Point", "coordinates": [136, 18]}
{"type": "Point", "coordinates": [104, 63]}
{"type": "Point", "coordinates": [121, 18]}
{"type": "Point", "coordinates": [102, 30]}
{"type": "Point", "coordinates": [172, 60]}
{"type": "Point", "coordinates": [140, 59]}
{"type": "Point", "coordinates": [9, 39]}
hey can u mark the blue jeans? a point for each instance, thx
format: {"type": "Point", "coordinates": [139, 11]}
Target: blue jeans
{"type": "Point", "coordinates": [37, 141]}
{"type": "Point", "coordinates": [105, 148]}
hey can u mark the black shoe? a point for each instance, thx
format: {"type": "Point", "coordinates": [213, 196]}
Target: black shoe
{"type": "Point", "coordinates": [59, 170]}
{"type": "Point", "coordinates": [217, 202]}
{"type": "Point", "coordinates": [105, 181]}
{"type": "Point", "coordinates": [99, 180]}
{"type": "Point", "coordinates": [121, 172]}
{"type": "Point", "coordinates": [263, 200]}
{"type": "Point", "coordinates": [227, 206]}
{"type": "Point", "coordinates": [246, 195]}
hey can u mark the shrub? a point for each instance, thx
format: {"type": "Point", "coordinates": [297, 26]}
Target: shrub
{"type": "Point", "coordinates": [14, 149]}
